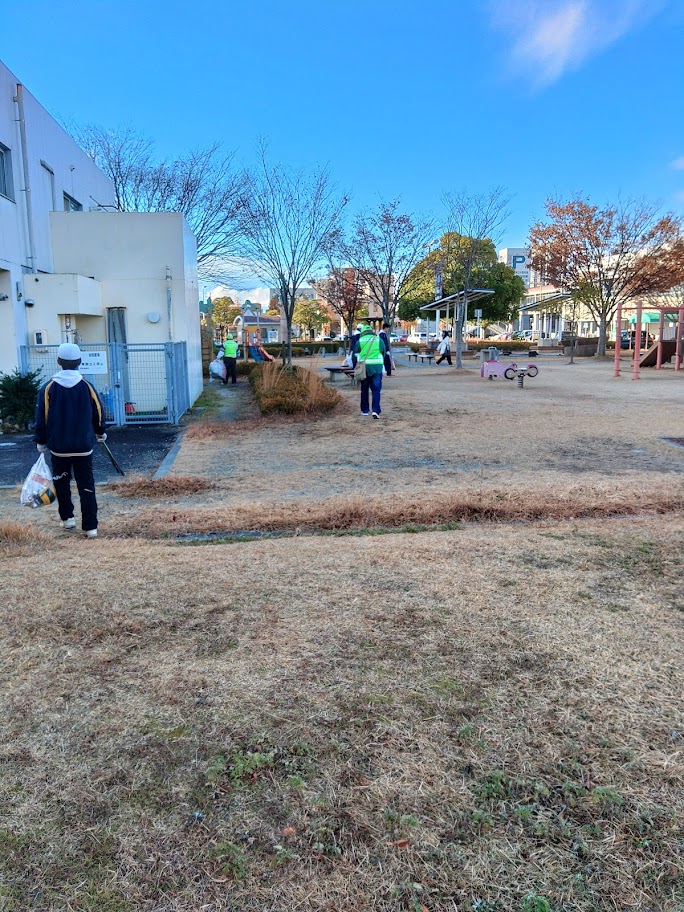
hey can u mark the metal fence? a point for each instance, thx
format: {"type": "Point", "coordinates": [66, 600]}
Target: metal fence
{"type": "Point", "coordinates": [138, 383]}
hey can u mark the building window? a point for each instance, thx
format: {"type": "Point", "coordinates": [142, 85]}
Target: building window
{"type": "Point", "coordinates": [6, 183]}
{"type": "Point", "coordinates": [71, 205]}
{"type": "Point", "coordinates": [50, 175]}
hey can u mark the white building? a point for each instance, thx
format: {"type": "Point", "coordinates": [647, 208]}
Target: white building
{"type": "Point", "coordinates": [71, 269]}
{"type": "Point", "coordinates": [41, 170]}
{"type": "Point", "coordinates": [518, 259]}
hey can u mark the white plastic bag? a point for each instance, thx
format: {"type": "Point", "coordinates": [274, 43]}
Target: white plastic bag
{"type": "Point", "coordinates": [347, 361]}
{"type": "Point", "coordinates": [217, 369]}
{"type": "Point", "coordinates": [38, 489]}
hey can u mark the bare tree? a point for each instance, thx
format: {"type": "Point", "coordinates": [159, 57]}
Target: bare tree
{"type": "Point", "coordinates": [343, 291]}
{"type": "Point", "coordinates": [474, 220]}
{"type": "Point", "coordinates": [286, 224]}
{"type": "Point", "coordinates": [608, 256]}
{"type": "Point", "coordinates": [384, 247]}
{"type": "Point", "coordinates": [202, 185]}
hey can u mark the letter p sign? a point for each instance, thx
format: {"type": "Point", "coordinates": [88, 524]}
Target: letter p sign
{"type": "Point", "coordinates": [518, 261]}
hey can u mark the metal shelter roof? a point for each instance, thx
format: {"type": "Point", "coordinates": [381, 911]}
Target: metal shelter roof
{"type": "Point", "coordinates": [549, 301]}
{"type": "Point", "coordinates": [474, 294]}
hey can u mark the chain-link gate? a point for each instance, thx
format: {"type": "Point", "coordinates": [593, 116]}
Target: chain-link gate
{"type": "Point", "coordinates": [143, 383]}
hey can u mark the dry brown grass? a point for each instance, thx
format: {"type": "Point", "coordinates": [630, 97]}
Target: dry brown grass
{"type": "Point", "coordinates": [368, 513]}
{"type": "Point", "coordinates": [15, 535]}
{"type": "Point", "coordinates": [169, 486]}
{"type": "Point", "coordinates": [453, 721]}
{"type": "Point", "coordinates": [444, 721]}
{"type": "Point", "coordinates": [235, 430]}
{"type": "Point", "coordinates": [288, 391]}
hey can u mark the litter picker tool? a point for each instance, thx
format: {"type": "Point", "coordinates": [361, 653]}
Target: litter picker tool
{"type": "Point", "coordinates": [111, 456]}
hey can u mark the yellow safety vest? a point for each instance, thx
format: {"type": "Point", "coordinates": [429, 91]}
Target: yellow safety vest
{"type": "Point", "coordinates": [369, 348]}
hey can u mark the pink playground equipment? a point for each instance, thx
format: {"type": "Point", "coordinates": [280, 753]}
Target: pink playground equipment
{"type": "Point", "coordinates": [509, 371]}
{"type": "Point", "coordinates": [639, 360]}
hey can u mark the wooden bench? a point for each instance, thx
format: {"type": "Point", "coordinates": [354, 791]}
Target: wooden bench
{"type": "Point", "coordinates": [424, 356]}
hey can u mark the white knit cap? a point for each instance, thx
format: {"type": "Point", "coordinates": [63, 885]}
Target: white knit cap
{"type": "Point", "coordinates": [69, 351]}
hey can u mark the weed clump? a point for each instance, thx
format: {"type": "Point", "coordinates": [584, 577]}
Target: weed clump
{"type": "Point", "coordinates": [291, 391]}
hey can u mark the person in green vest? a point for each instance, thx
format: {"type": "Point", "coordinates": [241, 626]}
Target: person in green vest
{"type": "Point", "coordinates": [229, 352]}
{"type": "Point", "coordinates": [371, 349]}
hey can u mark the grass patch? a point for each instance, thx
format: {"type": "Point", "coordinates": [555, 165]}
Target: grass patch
{"type": "Point", "coordinates": [169, 486]}
{"type": "Point", "coordinates": [378, 515]}
{"type": "Point", "coordinates": [376, 733]}
{"type": "Point", "coordinates": [12, 533]}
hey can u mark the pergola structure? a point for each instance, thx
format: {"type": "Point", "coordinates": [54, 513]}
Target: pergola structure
{"type": "Point", "coordinates": [457, 299]}
{"type": "Point", "coordinates": [662, 310]}
{"type": "Point", "coordinates": [549, 306]}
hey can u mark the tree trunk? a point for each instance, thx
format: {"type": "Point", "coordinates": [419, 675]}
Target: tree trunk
{"type": "Point", "coordinates": [458, 334]}
{"type": "Point", "coordinates": [601, 350]}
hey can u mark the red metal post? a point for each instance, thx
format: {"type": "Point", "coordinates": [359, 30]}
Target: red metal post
{"type": "Point", "coordinates": [661, 330]}
{"type": "Point", "coordinates": [618, 340]}
{"type": "Point", "coordinates": [680, 330]}
{"type": "Point", "coordinates": [637, 341]}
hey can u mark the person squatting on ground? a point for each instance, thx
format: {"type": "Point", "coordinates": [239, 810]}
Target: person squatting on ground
{"type": "Point", "coordinates": [230, 360]}
{"type": "Point", "coordinates": [383, 334]}
{"type": "Point", "coordinates": [69, 418]}
{"type": "Point", "coordinates": [444, 349]}
{"type": "Point", "coordinates": [371, 349]}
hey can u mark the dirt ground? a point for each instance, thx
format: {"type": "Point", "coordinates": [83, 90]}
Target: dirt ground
{"type": "Point", "coordinates": [444, 429]}
{"type": "Point", "coordinates": [487, 719]}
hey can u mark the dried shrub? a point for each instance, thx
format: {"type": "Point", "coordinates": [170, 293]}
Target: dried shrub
{"type": "Point", "coordinates": [291, 391]}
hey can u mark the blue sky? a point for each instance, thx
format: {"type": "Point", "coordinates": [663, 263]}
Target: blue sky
{"type": "Point", "coordinates": [544, 97]}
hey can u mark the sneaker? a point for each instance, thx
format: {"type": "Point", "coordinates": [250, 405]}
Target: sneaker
{"type": "Point", "coordinates": [365, 414]}
{"type": "Point", "coordinates": [68, 523]}
{"type": "Point", "coordinates": [375, 415]}
{"type": "Point", "coordinates": [91, 533]}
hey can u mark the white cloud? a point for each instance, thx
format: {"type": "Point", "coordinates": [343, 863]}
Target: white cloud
{"type": "Point", "coordinates": [678, 163]}
{"type": "Point", "coordinates": [550, 37]}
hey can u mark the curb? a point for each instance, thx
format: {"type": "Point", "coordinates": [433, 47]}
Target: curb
{"type": "Point", "coordinates": [168, 460]}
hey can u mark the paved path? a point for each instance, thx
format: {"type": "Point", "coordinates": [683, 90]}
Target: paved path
{"type": "Point", "coordinates": [137, 449]}
{"type": "Point", "coordinates": [237, 402]}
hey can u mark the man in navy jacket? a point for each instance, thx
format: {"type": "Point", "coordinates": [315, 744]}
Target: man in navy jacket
{"type": "Point", "coordinates": [69, 418]}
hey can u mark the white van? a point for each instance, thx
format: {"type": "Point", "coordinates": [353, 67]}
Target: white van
{"type": "Point", "coordinates": [418, 337]}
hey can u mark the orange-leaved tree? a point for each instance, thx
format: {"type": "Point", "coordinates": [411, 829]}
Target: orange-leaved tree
{"type": "Point", "coordinates": [608, 256]}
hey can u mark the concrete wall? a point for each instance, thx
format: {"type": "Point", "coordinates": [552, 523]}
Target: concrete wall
{"type": "Point", "coordinates": [56, 165]}
{"type": "Point", "coordinates": [54, 295]}
{"type": "Point", "coordinates": [145, 262]}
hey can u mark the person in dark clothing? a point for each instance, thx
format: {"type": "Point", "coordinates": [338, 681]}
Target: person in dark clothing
{"type": "Point", "coordinates": [229, 354]}
{"type": "Point", "coordinates": [69, 418]}
{"type": "Point", "coordinates": [384, 335]}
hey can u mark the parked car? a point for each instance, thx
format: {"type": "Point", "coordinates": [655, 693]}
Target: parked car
{"type": "Point", "coordinates": [417, 337]}
{"type": "Point", "coordinates": [628, 338]}
{"type": "Point", "coordinates": [403, 337]}
{"type": "Point", "coordinates": [524, 335]}
{"type": "Point", "coordinates": [393, 338]}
